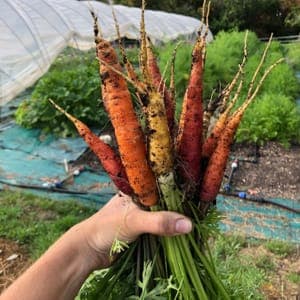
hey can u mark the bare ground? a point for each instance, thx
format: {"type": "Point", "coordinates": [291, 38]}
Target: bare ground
{"type": "Point", "coordinates": [270, 170]}
{"type": "Point", "coordinates": [14, 259]}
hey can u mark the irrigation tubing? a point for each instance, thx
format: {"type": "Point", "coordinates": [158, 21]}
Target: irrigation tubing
{"type": "Point", "coordinates": [244, 195]}
{"type": "Point", "coordinates": [51, 189]}
{"type": "Point", "coordinates": [261, 200]}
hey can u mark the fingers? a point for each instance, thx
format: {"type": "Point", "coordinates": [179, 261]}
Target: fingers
{"type": "Point", "coordinates": [163, 223]}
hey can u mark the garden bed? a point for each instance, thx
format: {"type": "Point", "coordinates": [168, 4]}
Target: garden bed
{"type": "Point", "coordinates": [275, 174]}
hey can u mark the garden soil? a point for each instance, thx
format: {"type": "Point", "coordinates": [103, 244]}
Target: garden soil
{"type": "Point", "coordinates": [14, 259]}
{"type": "Point", "coordinates": [271, 171]}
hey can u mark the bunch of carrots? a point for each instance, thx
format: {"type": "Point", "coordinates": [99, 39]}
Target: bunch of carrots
{"type": "Point", "coordinates": [165, 164]}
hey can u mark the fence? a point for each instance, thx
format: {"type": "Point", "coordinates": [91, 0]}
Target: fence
{"type": "Point", "coordinates": [285, 39]}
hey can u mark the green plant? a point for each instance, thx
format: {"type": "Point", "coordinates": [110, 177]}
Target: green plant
{"type": "Point", "coordinates": [239, 273]}
{"type": "Point", "coordinates": [280, 248]}
{"type": "Point", "coordinates": [294, 277]}
{"type": "Point", "coordinates": [292, 52]}
{"type": "Point", "coordinates": [224, 55]}
{"type": "Point", "coordinates": [73, 82]}
{"type": "Point", "coordinates": [271, 117]}
{"type": "Point", "coordinates": [265, 263]}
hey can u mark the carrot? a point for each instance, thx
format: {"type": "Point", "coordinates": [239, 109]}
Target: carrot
{"type": "Point", "coordinates": [189, 137]}
{"type": "Point", "coordinates": [158, 138]}
{"type": "Point", "coordinates": [214, 172]}
{"type": "Point", "coordinates": [131, 73]}
{"type": "Point", "coordinates": [110, 161]}
{"type": "Point", "coordinates": [160, 85]}
{"type": "Point", "coordinates": [211, 141]}
{"type": "Point", "coordinates": [129, 138]}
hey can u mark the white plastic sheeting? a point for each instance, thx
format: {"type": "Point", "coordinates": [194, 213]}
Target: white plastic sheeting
{"type": "Point", "coordinates": [33, 33]}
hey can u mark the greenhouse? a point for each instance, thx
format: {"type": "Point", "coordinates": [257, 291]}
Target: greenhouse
{"type": "Point", "coordinates": [33, 33]}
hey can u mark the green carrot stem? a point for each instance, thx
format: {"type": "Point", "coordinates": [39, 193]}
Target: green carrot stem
{"type": "Point", "coordinates": [191, 267]}
{"type": "Point", "coordinates": [176, 263]}
{"type": "Point", "coordinates": [179, 245]}
{"type": "Point", "coordinates": [209, 270]}
{"type": "Point", "coordinates": [107, 284]}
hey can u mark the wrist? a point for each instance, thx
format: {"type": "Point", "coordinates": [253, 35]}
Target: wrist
{"type": "Point", "coordinates": [88, 254]}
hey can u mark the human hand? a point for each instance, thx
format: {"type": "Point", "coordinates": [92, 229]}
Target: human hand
{"type": "Point", "coordinates": [61, 270]}
{"type": "Point", "coordinates": [123, 220]}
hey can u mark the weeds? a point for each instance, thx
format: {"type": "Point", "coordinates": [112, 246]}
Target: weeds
{"type": "Point", "coordinates": [294, 277]}
{"type": "Point", "coordinates": [265, 262]}
{"type": "Point", "coordinates": [280, 248]}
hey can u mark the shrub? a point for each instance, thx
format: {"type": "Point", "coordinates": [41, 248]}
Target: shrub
{"type": "Point", "coordinates": [293, 54]}
{"type": "Point", "coordinates": [223, 57]}
{"type": "Point", "coordinates": [274, 115]}
{"type": "Point", "coordinates": [271, 117]}
{"type": "Point", "coordinates": [73, 83]}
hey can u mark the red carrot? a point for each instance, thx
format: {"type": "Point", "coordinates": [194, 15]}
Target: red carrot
{"type": "Point", "coordinates": [110, 161]}
{"type": "Point", "coordinates": [188, 142]}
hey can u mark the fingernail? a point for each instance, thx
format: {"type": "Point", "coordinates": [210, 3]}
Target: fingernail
{"type": "Point", "coordinates": [183, 226]}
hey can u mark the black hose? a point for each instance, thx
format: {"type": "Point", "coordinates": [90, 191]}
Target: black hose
{"type": "Point", "coordinates": [247, 197]}
{"type": "Point", "coordinates": [52, 189]}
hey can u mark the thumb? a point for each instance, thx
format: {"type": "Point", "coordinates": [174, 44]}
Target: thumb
{"type": "Point", "coordinates": [164, 223]}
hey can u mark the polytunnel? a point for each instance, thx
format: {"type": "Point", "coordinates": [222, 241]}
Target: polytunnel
{"type": "Point", "coordinates": [34, 32]}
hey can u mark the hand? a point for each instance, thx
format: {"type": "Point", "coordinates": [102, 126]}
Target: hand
{"type": "Point", "coordinates": [121, 219]}
{"type": "Point", "coordinates": [61, 271]}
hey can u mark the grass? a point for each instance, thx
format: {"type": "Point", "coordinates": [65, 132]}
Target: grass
{"type": "Point", "coordinates": [280, 248]}
{"type": "Point", "coordinates": [294, 277]}
{"type": "Point", "coordinates": [37, 222]}
{"type": "Point", "coordinates": [239, 272]}
{"type": "Point", "coordinates": [265, 262]}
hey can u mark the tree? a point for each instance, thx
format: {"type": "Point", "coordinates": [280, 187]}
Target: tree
{"type": "Point", "coordinates": [282, 17]}
{"type": "Point", "coordinates": [260, 16]}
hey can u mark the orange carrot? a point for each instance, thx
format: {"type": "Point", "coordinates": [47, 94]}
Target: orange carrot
{"type": "Point", "coordinates": [217, 163]}
{"type": "Point", "coordinates": [130, 138]}
{"type": "Point", "coordinates": [188, 142]}
{"type": "Point", "coordinates": [211, 141]}
{"type": "Point", "coordinates": [214, 172]}
{"type": "Point", "coordinates": [110, 161]}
